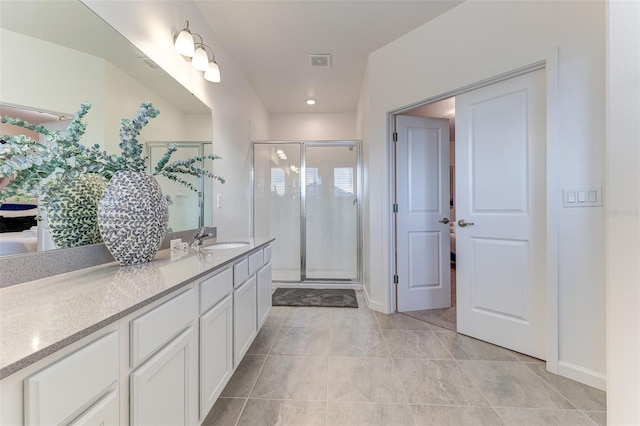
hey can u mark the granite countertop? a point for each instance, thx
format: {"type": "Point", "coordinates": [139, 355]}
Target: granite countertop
{"type": "Point", "coordinates": [40, 317]}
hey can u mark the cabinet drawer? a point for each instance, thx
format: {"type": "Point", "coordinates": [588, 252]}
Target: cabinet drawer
{"type": "Point", "coordinates": [240, 272]}
{"type": "Point", "coordinates": [67, 387]}
{"type": "Point", "coordinates": [256, 260]}
{"type": "Point", "coordinates": [267, 254]}
{"type": "Point", "coordinates": [155, 328]}
{"type": "Point", "coordinates": [214, 289]}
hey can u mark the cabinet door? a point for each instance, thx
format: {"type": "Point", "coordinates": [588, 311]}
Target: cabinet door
{"type": "Point", "coordinates": [216, 352]}
{"type": "Point", "coordinates": [264, 294]}
{"type": "Point", "coordinates": [244, 319]}
{"type": "Point", "coordinates": [103, 412]}
{"type": "Point", "coordinates": [162, 389]}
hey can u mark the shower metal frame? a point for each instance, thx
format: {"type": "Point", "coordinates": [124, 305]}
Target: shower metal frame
{"type": "Point", "coordinates": [303, 204]}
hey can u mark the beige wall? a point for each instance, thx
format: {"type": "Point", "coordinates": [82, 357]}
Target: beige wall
{"type": "Point", "coordinates": [312, 126]}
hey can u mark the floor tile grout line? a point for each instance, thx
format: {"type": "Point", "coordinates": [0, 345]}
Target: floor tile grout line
{"type": "Point", "coordinates": [553, 388]}
{"type": "Point", "coordinates": [544, 383]}
{"type": "Point", "coordinates": [397, 374]}
{"type": "Point", "coordinates": [588, 416]}
{"type": "Point", "coordinates": [556, 388]}
{"type": "Point", "coordinates": [266, 358]}
{"type": "Point", "coordinates": [541, 409]}
{"type": "Point", "coordinates": [326, 387]}
{"type": "Point", "coordinates": [469, 377]}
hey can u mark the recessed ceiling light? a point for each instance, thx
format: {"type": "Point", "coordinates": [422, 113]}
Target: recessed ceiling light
{"type": "Point", "coordinates": [311, 101]}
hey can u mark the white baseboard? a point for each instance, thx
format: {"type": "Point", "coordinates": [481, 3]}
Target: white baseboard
{"type": "Point", "coordinates": [376, 306]}
{"type": "Point", "coordinates": [582, 375]}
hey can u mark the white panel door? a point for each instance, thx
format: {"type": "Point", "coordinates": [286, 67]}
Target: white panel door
{"type": "Point", "coordinates": [245, 319]}
{"type": "Point", "coordinates": [422, 193]}
{"type": "Point", "coordinates": [500, 193]}
{"type": "Point", "coordinates": [264, 294]}
{"type": "Point", "coordinates": [216, 352]}
{"type": "Point", "coordinates": [163, 390]}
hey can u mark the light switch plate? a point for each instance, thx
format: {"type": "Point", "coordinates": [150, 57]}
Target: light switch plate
{"type": "Point", "coordinates": [582, 196]}
{"type": "Point", "coordinates": [175, 244]}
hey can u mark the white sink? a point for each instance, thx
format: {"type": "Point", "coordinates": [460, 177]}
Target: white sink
{"type": "Point", "coordinates": [224, 245]}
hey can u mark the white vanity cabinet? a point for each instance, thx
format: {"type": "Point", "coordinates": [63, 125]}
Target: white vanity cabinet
{"type": "Point", "coordinates": [166, 362]}
{"type": "Point", "coordinates": [216, 337]}
{"type": "Point", "coordinates": [77, 386]}
{"type": "Point", "coordinates": [245, 314]}
{"type": "Point", "coordinates": [164, 384]}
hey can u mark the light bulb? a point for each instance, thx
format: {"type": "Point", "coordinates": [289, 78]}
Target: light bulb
{"type": "Point", "coordinates": [212, 73]}
{"type": "Point", "coordinates": [311, 101]}
{"type": "Point", "coordinates": [184, 42]}
{"type": "Point", "coordinates": [200, 60]}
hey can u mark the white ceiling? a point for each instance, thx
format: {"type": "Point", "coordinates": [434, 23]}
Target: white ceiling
{"type": "Point", "coordinates": [271, 42]}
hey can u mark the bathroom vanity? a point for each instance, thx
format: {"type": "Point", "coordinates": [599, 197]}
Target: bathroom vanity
{"type": "Point", "coordinates": [145, 344]}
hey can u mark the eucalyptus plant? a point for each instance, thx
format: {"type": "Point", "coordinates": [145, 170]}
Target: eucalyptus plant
{"type": "Point", "coordinates": [37, 170]}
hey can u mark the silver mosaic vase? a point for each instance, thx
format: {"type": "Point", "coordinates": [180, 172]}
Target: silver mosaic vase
{"type": "Point", "coordinates": [132, 216]}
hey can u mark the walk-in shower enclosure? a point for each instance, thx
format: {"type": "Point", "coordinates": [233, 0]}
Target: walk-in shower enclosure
{"type": "Point", "coordinates": [306, 195]}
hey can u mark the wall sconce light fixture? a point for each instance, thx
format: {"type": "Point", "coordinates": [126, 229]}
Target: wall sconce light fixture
{"type": "Point", "coordinates": [196, 51]}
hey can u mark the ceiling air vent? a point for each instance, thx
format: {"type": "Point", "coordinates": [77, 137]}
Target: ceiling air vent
{"type": "Point", "coordinates": [321, 61]}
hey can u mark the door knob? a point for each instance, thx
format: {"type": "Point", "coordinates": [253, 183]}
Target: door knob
{"type": "Point", "coordinates": [462, 223]}
{"type": "Point", "coordinates": [444, 220]}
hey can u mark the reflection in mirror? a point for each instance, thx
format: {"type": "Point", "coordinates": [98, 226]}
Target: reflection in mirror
{"type": "Point", "coordinates": [187, 208]}
{"type": "Point", "coordinates": [54, 67]}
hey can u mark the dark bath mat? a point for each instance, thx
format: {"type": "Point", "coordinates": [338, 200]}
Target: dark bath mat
{"type": "Point", "coordinates": [325, 297]}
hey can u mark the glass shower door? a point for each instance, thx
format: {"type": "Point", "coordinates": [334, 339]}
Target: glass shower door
{"type": "Point", "coordinates": [305, 195]}
{"type": "Point", "coordinates": [276, 169]}
{"type": "Point", "coordinates": [330, 212]}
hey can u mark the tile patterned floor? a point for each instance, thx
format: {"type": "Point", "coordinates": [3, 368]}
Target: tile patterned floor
{"type": "Point", "coordinates": [342, 366]}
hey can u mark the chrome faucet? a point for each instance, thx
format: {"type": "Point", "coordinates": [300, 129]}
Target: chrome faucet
{"type": "Point", "coordinates": [203, 234]}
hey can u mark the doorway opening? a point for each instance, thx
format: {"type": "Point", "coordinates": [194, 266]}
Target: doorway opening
{"type": "Point", "coordinates": [443, 317]}
{"type": "Point", "coordinates": [499, 216]}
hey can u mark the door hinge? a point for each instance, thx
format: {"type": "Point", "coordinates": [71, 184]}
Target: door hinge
{"type": "Point", "coordinates": [395, 136]}
{"type": "Point", "coordinates": [395, 208]}
{"type": "Point", "coordinates": [396, 280]}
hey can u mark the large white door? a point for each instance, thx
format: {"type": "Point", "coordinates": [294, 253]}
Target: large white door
{"type": "Point", "coordinates": [422, 196]}
{"type": "Point", "coordinates": [500, 194]}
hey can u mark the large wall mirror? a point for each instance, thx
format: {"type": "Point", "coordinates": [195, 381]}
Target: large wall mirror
{"type": "Point", "coordinates": [58, 54]}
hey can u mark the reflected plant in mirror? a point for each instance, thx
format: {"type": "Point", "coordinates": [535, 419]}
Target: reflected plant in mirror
{"type": "Point", "coordinates": [69, 178]}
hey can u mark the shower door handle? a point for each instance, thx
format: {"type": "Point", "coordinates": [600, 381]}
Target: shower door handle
{"type": "Point", "coordinates": [355, 201]}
